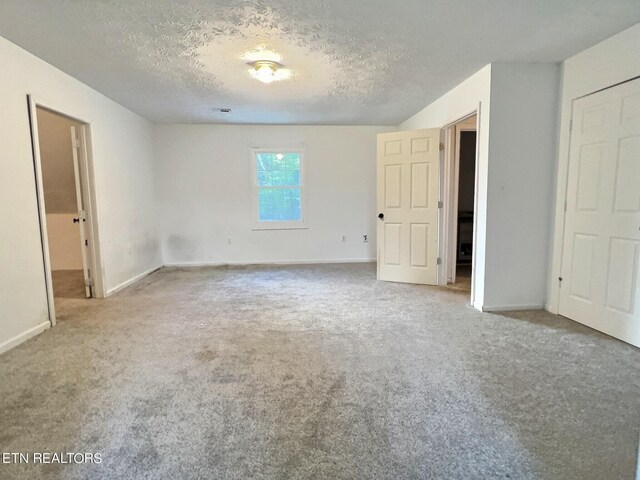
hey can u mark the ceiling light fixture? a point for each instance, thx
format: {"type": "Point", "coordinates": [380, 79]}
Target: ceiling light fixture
{"type": "Point", "coordinates": [264, 70]}
{"type": "Point", "coordinates": [268, 71]}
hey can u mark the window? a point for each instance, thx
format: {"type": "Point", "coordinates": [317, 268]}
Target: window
{"type": "Point", "coordinates": [278, 188]}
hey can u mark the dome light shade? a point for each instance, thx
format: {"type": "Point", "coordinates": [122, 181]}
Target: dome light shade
{"type": "Point", "coordinates": [268, 71]}
{"type": "Point", "coordinates": [264, 71]}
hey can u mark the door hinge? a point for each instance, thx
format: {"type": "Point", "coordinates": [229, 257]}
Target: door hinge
{"type": "Point", "coordinates": [440, 203]}
{"type": "Point", "coordinates": [88, 282]}
{"type": "Point", "coordinates": [439, 261]}
{"type": "Point", "coordinates": [76, 143]}
{"type": "Point", "coordinates": [441, 146]}
{"type": "Point", "coordinates": [82, 215]}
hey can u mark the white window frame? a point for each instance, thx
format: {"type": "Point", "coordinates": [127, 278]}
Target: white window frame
{"type": "Point", "coordinates": [258, 224]}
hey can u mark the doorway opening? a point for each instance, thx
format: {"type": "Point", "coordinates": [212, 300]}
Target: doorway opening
{"type": "Point", "coordinates": [65, 205]}
{"type": "Point", "coordinates": [460, 188]}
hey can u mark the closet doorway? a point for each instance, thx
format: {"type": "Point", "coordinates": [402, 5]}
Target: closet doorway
{"type": "Point", "coordinates": [64, 183]}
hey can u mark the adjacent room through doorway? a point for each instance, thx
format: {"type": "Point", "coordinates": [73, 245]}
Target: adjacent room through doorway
{"type": "Point", "coordinates": [463, 183]}
{"type": "Point", "coordinates": [65, 218]}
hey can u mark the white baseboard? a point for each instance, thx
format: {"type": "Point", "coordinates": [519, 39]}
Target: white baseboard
{"type": "Point", "coordinates": [131, 281]}
{"type": "Point", "coordinates": [18, 339]}
{"type": "Point", "coordinates": [269, 262]}
{"type": "Point", "coordinates": [509, 308]}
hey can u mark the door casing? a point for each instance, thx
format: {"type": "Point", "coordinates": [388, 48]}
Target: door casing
{"type": "Point", "coordinates": [449, 196]}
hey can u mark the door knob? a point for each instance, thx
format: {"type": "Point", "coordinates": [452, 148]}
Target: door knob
{"type": "Point", "coordinates": [381, 216]}
{"type": "Point", "coordinates": [76, 220]}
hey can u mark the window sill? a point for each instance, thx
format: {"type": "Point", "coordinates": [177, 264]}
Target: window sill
{"type": "Point", "coordinates": [280, 226]}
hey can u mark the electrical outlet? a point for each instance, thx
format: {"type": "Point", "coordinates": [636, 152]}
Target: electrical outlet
{"type": "Point", "coordinates": [365, 238]}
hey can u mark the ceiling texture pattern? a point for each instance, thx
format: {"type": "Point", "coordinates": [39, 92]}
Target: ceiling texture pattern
{"type": "Point", "coordinates": [353, 61]}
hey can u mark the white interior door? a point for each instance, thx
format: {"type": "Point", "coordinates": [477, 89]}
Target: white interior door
{"type": "Point", "coordinates": [77, 144]}
{"type": "Point", "coordinates": [408, 179]}
{"type": "Point", "coordinates": [600, 277]}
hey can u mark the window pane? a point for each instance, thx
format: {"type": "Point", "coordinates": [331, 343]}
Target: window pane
{"type": "Point", "coordinates": [278, 169]}
{"type": "Point", "coordinates": [263, 161]}
{"type": "Point", "coordinates": [264, 178]}
{"type": "Point", "coordinates": [278, 178]}
{"type": "Point", "coordinates": [292, 161]}
{"type": "Point", "coordinates": [292, 204]}
{"type": "Point", "coordinates": [293, 177]}
{"type": "Point", "coordinates": [279, 186]}
{"type": "Point", "coordinates": [279, 204]}
{"type": "Point", "coordinates": [265, 212]}
{"type": "Point", "coordinates": [277, 162]}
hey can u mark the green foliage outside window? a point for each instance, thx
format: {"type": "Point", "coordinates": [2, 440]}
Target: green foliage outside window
{"type": "Point", "coordinates": [279, 187]}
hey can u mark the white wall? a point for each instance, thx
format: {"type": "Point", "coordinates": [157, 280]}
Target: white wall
{"type": "Point", "coordinates": [64, 242]}
{"type": "Point", "coordinates": [516, 146]}
{"type": "Point", "coordinates": [612, 61]}
{"type": "Point", "coordinates": [522, 149]}
{"type": "Point", "coordinates": [204, 192]}
{"type": "Point", "coordinates": [123, 158]}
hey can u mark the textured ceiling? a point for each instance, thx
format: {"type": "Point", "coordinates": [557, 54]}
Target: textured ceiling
{"type": "Point", "coordinates": [353, 61]}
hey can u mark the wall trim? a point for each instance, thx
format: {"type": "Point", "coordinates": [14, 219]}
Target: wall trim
{"type": "Point", "coordinates": [24, 336]}
{"type": "Point", "coordinates": [269, 262]}
{"type": "Point", "coordinates": [131, 281]}
{"type": "Point", "coordinates": [509, 308]}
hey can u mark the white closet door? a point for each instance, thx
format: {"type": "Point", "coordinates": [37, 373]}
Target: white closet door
{"type": "Point", "coordinates": [600, 284]}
